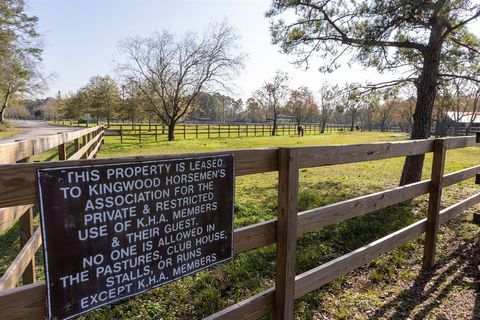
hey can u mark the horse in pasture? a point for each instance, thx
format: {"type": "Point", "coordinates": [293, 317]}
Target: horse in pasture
{"type": "Point", "coordinates": [300, 130]}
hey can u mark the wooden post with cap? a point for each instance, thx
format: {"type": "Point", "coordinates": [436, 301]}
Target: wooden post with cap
{"type": "Point", "coordinates": [286, 233]}
{"type": "Point", "coordinates": [435, 197]}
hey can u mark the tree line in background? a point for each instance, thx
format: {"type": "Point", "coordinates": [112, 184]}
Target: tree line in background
{"type": "Point", "coordinates": [107, 100]}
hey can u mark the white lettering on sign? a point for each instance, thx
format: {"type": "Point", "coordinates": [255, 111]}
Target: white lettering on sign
{"type": "Point", "coordinates": [114, 231]}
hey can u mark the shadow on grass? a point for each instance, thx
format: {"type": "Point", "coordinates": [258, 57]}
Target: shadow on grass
{"type": "Point", "coordinates": [431, 288]}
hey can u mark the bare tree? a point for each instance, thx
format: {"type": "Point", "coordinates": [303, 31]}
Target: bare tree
{"type": "Point", "coordinates": [353, 104]}
{"type": "Point", "coordinates": [372, 108]}
{"type": "Point", "coordinates": [171, 73]}
{"type": "Point", "coordinates": [385, 109]}
{"type": "Point", "coordinates": [475, 97]}
{"type": "Point", "coordinates": [272, 95]}
{"type": "Point", "coordinates": [443, 104]}
{"type": "Point", "coordinates": [19, 76]}
{"type": "Point", "coordinates": [459, 105]}
{"type": "Point", "coordinates": [302, 106]}
{"type": "Point", "coordinates": [328, 102]}
{"type": "Point", "coordinates": [405, 113]}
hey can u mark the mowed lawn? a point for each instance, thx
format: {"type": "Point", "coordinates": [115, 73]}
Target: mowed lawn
{"type": "Point", "coordinates": [390, 287]}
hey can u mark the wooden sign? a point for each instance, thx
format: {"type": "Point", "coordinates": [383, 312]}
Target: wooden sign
{"type": "Point", "coordinates": [112, 231]}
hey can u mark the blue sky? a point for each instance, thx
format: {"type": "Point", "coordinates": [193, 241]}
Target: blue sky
{"type": "Point", "coordinates": [81, 38]}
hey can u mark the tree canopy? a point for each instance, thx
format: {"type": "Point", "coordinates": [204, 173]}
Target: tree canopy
{"type": "Point", "coordinates": [425, 40]}
{"type": "Point", "coordinates": [20, 52]}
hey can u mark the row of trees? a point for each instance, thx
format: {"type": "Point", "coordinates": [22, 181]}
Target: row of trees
{"type": "Point", "coordinates": [104, 98]}
{"type": "Point", "coordinates": [168, 80]}
{"type": "Point", "coordinates": [20, 54]}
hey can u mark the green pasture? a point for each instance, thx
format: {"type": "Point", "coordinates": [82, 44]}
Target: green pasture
{"type": "Point", "coordinates": [256, 200]}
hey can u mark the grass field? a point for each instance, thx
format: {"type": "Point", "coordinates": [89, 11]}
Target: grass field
{"type": "Point", "coordinates": [390, 287]}
{"type": "Point", "coordinates": [113, 147]}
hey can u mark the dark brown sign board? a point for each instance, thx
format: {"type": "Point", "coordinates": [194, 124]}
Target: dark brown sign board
{"type": "Point", "coordinates": [112, 231]}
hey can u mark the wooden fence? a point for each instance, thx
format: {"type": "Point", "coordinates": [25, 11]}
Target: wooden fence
{"type": "Point", "coordinates": [196, 131]}
{"type": "Point", "coordinates": [141, 132]}
{"type": "Point", "coordinates": [85, 144]}
{"type": "Point", "coordinates": [29, 301]}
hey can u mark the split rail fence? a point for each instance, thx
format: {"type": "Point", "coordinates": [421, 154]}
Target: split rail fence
{"type": "Point", "coordinates": [196, 131]}
{"type": "Point", "coordinates": [85, 144]}
{"type": "Point", "coordinates": [18, 184]}
{"type": "Point", "coordinates": [151, 131]}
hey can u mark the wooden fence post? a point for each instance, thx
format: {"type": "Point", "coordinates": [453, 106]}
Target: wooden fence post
{"type": "Point", "coordinates": [184, 132]}
{"type": "Point", "coordinates": [25, 224]}
{"type": "Point", "coordinates": [90, 136]}
{"type": "Point", "coordinates": [229, 130]}
{"type": "Point", "coordinates": [102, 132]}
{"type": "Point", "coordinates": [476, 215]}
{"type": "Point", "coordinates": [238, 130]}
{"type": "Point", "coordinates": [219, 135]}
{"type": "Point", "coordinates": [62, 151]}
{"type": "Point", "coordinates": [76, 145]}
{"type": "Point", "coordinates": [435, 196]}
{"type": "Point", "coordinates": [196, 131]}
{"type": "Point", "coordinates": [121, 133]}
{"type": "Point", "coordinates": [208, 131]}
{"type": "Point", "coordinates": [85, 139]}
{"type": "Point", "coordinates": [246, 130]}
{"type": "Point", "coordinates": [156, 133]}
{"type": "Point", "coordinates": [139, 133]}
{"type": "Point", "coordinates": [286, 233]}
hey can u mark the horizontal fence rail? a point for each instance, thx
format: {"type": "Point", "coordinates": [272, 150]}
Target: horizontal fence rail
{"type": "Point", "coordinates": [29, 301]}
{"type": "Point", "coordinates": [22, 152]}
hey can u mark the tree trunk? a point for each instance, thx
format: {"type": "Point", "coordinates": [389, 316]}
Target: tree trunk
{"type": "Point", "coordinates": [456, 128]}
{"type": "Point", "coordinates": [5, 105]}
{"type": "Point", "coordinates": [352, 124]}
{"type": "Point", "coordinates": [2, 114]}
{"type": "Point", "coordinates": [324, 123]}
{"type": "Point", "coordinates": [467, 128]}
{"type": "Point", "coordinates": [171, 132]}
{"type": "Point", "coordinates": [426, 91]}
{"type": "Point", "coordinates": [274, 127]}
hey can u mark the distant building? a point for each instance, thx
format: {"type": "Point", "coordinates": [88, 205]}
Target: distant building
{"type": "Point", "coordinates": [464, 117]}
{"type": "Point", "coordinates": [457, 123]}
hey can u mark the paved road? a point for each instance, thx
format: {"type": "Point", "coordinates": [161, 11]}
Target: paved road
{"type": "Point", "coordinates": [34, 130]}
